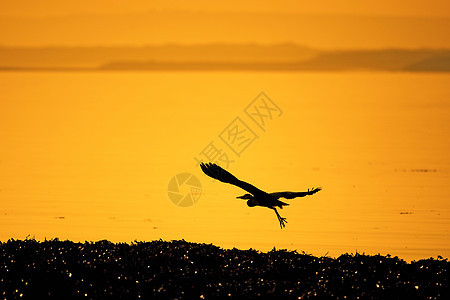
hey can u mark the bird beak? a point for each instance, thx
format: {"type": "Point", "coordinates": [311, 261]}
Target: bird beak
{"type": "Point", "coordinates": [240, 197]}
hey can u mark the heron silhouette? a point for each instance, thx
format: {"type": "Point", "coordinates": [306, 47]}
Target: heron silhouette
{"type": "Point", "coordinates": [256, 197]}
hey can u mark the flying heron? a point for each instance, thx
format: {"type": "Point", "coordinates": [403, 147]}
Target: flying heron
{"type": "Point", "coordinates": [256, 197]}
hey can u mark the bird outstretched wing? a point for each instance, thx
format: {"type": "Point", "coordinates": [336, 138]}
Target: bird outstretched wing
{"type": "Point", "coordinates": [292, 195]}
{"type": "Point", "coordinates": [216, 172]}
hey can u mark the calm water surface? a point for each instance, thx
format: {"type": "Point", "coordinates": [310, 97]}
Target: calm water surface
{"type": "Point", "coordinates": [88, 156]}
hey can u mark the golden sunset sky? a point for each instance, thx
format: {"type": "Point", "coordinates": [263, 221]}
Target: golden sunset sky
{"type": "Point", "coordinates": [323, 24]}
{"type": "Point", "coordinates": [432, 8]}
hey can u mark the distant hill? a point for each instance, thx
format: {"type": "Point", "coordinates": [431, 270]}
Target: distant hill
{"type": "Point", "coordinates": [283, 57]}
{"type": "Point", "coordinates": [202, 66]}
{"type": "Point", "coordinates": [370, 60]}
{"type": "Point", "coordinates": [439, 63]}
{"type": "Point", "coordinates": [93, 57]}
{"type": "Point", "coordinates": [386, 60]}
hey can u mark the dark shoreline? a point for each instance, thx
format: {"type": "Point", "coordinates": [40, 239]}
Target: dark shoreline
{"type": "Point", "coordinates": [222, 57]}
{"type": "Point", "coordinates": [218, 67]}
{"type": "Point", "coordinates": [179, 269]}
{"type": "Point", "coordinates": [176, 69]}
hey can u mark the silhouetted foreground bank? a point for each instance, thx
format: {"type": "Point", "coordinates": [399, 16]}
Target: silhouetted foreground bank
{"type": "Point", "coordinates": [178, 269]}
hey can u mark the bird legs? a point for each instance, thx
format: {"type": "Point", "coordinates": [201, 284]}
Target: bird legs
{"type": "Point", "coordinates": [280, 219]}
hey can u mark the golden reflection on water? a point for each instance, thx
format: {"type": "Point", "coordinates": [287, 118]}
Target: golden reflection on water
{"type": "Point", "coordinates": [88, 156]}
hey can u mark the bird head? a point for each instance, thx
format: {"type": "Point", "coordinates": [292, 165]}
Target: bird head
{"type": "Point", "coordinates": [251, 202]}
{"type": "Point", "coordinates": [245, 197]}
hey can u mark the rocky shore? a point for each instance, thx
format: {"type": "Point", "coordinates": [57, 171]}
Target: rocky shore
{"type": "Point", "coordinates": [178, 269]}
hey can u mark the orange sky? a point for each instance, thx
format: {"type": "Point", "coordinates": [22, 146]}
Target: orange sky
{"type": "Point", "coordinates": [384, 7]}
{"type": "Point", "coordinates": [324, 24]}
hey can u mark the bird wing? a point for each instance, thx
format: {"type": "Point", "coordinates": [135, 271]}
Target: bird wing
{"type": "Point", "coordinates": [216, 172]}
{"type": "Point", "coordinates": [292, 195]}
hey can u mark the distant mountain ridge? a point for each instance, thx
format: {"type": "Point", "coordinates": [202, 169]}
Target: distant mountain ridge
{"type": "Point", "coordinates": [93, 57]}
{"type": "Point", "coordinates": [282, 57]}
{"type": "Point", "coordinates": [438, 63]}
{"type": "Point", "coordinates": [382, 60]}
